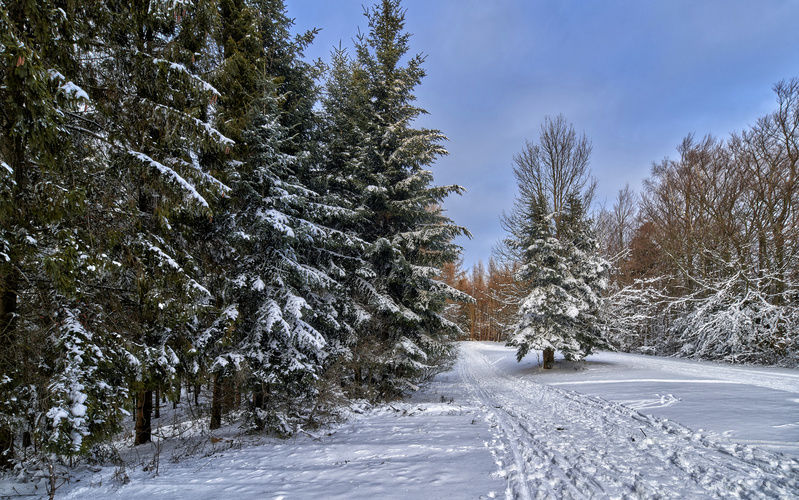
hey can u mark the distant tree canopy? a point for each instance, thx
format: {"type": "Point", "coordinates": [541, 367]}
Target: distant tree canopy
{"type": "Point", "coordinates": [706, 262]}
{"type": "Point", "coordinates": [185, 200]}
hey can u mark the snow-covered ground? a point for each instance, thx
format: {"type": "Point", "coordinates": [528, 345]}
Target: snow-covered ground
{"type": "Point", "coordinates": [559, 443]}
{"type": "Point", "coordinates": [616, 426]}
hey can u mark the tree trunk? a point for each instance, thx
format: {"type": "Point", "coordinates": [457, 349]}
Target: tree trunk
{"type": "Point", "coordinates": [216, 403]}
{"type": "Point", "coordinates": [197, 394]}
{"type": "Point", "coordinates": [258, 403]}
{"type": "Point", "coordinates": [357, 377]}
{"type": "Point", "coordinates": [6, 448]}
{"type": "Point", "coordinates": [228, 395]}
{"type": "Point", "coordinates": [144, 408]}
{"type": "Point", "coordinates": [549, 359]}
{"type": "Point", "coordinates": [158, 403]}
{"type": "Point", "coordinates": [8, 320]}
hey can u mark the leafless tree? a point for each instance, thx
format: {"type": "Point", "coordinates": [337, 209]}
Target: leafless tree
{"type": "Point", "coordinates": [552, 169]}
{"type": "Point", "coordinates": [615, 228]}
{"type": "Point", "coordinates": [768, 155]}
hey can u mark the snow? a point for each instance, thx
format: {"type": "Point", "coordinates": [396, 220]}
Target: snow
{"type": "Point", "coordinates": [171, 174]}
{"type": "Point", "coordinates": [165, 258]}
{"type": "Point", "coordinates": [207, 87]}
{"type": "Point", "coordinates": [614, 426]}
{"type": "Point", "coordinates": [71, 90]}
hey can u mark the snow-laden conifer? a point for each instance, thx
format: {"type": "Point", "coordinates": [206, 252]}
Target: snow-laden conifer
{"type": "Point", "coordinates": [288, 296]}
{"type": "Point", "coordinates": [377, 164]}
{"type": "Point", "coordinates": [565, 276]}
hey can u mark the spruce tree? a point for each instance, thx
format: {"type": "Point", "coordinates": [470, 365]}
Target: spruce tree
{"type": "Point", "coordinates": [160, 124]}
{"type": "Point", "coordinates": [108, 279]}
{"type": "Point", "coordinates": [565, 276]}
{"type": "Point", "coordinates": [60, 386]}
{"type": "Point", "coordinates": [383, 162]}
{"type": "Point", "coordinates": [282, 274]}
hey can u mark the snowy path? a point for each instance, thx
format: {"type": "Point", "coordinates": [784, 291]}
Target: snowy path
{"type": "Point", "coordinates": [493, 427]}
{"type": "Point", "coordinates": [560, 444]}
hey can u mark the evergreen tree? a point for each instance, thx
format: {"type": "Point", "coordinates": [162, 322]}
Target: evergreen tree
{"type": "Point", "coordinates": [58, 357]}
{"type": "Point", "coordinates": [282, 273]}
{"type": "Point", "coordinates": [160, 125]}
{"type": "Point", "coordinates": [565, 276]}
{"type": "Point", "coordinates": [377, 164]}
{"type": "Point", "coordinates": [109, 195]}
{"type": "Point", "coordinates": [284, 292]}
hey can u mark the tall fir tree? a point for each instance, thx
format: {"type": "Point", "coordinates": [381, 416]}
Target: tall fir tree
{"type": "Point", "coordinates": [378, 165]}
{"type": "Point", "coordinates": [565, 276]}
{"type": "Point", "coordinates": [110, 278]}
{"type": "Point", "coordinates": [282, 275]}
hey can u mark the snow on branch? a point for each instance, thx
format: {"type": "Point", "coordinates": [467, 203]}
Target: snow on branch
{"type": "Point", "coordinates": [209, 130]}
{"type": "Point", "coordinates": [177, 67]}
{"type": "Point", "coordinates": [168, 172]}
{"type": "Point", "coordinates": [71, 90]}
{"type": "Point", "coordinates": [169, 261]}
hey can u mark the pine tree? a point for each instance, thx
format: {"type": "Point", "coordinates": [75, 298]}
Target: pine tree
{"type": "Point", "coordinates": [377, 165]}
{"type": "Point", "coordinates": [565, 276]}
{"type": "Point", "coordinates": [108, 279]}
{"type": "Point", "coordinates": [282, 286]}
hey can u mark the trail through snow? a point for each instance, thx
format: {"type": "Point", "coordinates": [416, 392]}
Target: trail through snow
{"type": "Point", "coordinates": [560, 444]}
{"type": "Point", "coordinates": [494, 428]}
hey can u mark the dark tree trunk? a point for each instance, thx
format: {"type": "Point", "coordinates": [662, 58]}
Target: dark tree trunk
{"type": "Point", "coordinates": [258, 403]}
{"type": "Point", "coordinates": [6, 448]}
{"type": "Point", "coordinates": [216, 403]}
{"type": "Point", "coordinates": [158, 403]}
{"type": "Point", "coordinates": [358, 378]}
{"type": "Point", "coordinates": [144, 408]}
{"type": "Point", "coordinates": [197, 394]}
{"type": "Point", "coordinates": [549, 358]}
{"type": "Point", "coordinates": [8, 325]}
{"type": "Point", "coordinates": [228, 395]}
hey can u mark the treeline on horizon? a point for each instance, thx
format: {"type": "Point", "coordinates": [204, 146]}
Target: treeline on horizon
{"type": "Point", "coordinates": [703, 262]}
{"type": "Point", "coordinates": [185, 201]}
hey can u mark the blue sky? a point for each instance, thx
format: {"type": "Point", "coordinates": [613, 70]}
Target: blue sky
{"type": "Point", "coordinates": [634, 76]}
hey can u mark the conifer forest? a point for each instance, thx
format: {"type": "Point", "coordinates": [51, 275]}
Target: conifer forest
{"type": "Point", "coordinates": [190, 208]}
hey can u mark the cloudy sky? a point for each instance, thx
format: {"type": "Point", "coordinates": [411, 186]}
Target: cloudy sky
{"type": "Point", "coordinates": [634, 76]}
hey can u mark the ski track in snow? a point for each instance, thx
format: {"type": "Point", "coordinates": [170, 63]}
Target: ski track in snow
{"type": "Point", "coordinates": [489, 424]}
{"type": "Point", "coordinates": [563, 445]}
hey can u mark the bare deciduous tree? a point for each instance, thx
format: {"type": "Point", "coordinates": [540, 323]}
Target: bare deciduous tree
{"type": "Point", "coordinates": [717, 249]}
{"type": "Point", "coordinates": [616, 227]}
{"type": "Point", "coordinates": [553, 169]}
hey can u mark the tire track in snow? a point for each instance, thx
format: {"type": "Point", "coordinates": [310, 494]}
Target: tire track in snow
{"type": "Point", "coordinates": [568, 445]}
